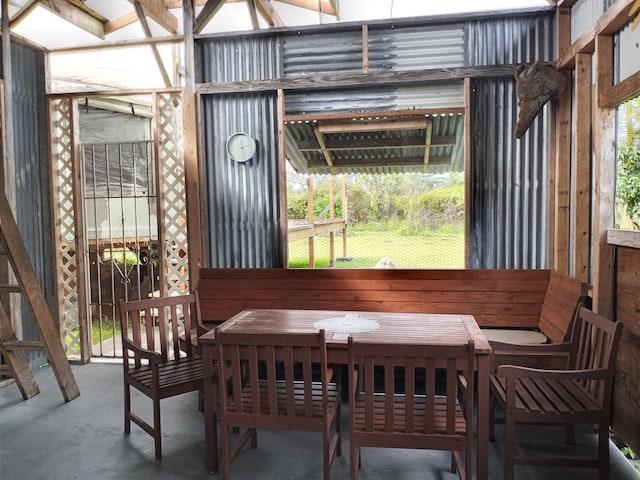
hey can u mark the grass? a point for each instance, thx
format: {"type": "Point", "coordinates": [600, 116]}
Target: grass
{"type": "Point", "coordinates": [366, 248]}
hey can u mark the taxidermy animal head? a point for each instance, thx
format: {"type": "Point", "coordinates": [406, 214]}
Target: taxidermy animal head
{"type": "Point", "coordinates": [536, 84]}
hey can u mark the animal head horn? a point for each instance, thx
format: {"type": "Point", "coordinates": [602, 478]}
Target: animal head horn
{"type": "Point", "coordinates": [535, 86]}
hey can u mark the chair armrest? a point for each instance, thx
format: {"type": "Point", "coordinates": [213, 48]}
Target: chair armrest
{"type": "Point", "coordinates": [512, 371]}
{"type": "Point", "coordinates": [153, 357]}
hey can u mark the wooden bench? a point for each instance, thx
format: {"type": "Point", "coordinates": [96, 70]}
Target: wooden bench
{"type": "Point", "coordinates": [535, 300]}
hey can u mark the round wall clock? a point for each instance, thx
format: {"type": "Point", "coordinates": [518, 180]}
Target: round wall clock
{"type": "Point", "coordinates": [241, 147]}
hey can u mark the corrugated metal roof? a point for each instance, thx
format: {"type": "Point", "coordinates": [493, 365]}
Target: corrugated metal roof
{"type": "Point", "coordinates": [359, 149]}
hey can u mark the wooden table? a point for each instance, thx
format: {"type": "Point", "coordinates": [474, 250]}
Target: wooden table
{"type": "Point", "coordinates": [425, 328]}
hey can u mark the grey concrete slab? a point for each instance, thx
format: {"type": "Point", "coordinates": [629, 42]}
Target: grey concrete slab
{"type": "Point", "coordinates": [44, 438]}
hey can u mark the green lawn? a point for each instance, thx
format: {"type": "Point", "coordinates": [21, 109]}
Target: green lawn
{"type": "Point", "coordinates": [444, 250]}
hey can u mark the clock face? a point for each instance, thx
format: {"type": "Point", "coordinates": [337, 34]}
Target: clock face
{"type": "Point", "coordinates": [241, 147]}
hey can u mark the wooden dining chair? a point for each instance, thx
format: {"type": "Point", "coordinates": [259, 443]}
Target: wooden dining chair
{"type": "Point", "coordinates": [277, 382]}
{"type": "Point", "coordinates": [159, 358]}
{"type": "Point", "coordinates": [580, 393]}
{"type": "Point", "coordinates": [396, 413]}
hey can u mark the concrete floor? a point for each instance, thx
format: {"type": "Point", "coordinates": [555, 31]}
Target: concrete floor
{"type": "Point", "coordinates": [46, 438]}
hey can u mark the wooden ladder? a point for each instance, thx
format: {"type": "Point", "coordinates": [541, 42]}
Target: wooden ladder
{"type": "Point", "coordinates": [11, 347]}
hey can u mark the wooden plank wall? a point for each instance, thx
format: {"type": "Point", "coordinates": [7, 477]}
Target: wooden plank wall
{"type": "Point", "coordinates": [586, 131]}
{"type": "Point", "coordinates": [626, 399]}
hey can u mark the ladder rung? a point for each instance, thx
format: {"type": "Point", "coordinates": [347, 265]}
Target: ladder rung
{"type": "Point", "coordinates": [22, 345]}
{"type": "Point", "coordinates": [10, 288]}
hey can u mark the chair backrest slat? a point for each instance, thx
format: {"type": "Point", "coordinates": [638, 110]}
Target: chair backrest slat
{"type": "Point", "coordinates": [161, 324]}
{"type": "Point", "coordinates": [277, 371]}
{"type": "Point", "coordinates": [416, 363]}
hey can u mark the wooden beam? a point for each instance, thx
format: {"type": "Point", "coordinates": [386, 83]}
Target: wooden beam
{"type": "Point", "coordinates": [23, 13]}
{"type": "Point", "coordinates": [211, 7]}
{"type": "Point", "coordinates": [332, 81]}
{"type": "Point", "coordinates": [427, 142]}
{"type": "Point", "coordinates": [582, 170]}
{"type": "Point", "coordinates": [365, 48]}
{"type": "Point", "coordinates": [373, 162]}
{"type": "Point", "coordinates": [160, 14]}
{"type": "Point", "coordinates": [306, 117]}
{"type": "Point", "coordinates": [625, 90]}
{"type": "Point", "coordinates": [117, 23]}
{"type": "Point", "coordinates": [140, 11]}
{"type": "Point", "coordinates": [188, 14]}
{"type": "Point", "coordinates": [616, 17]}
{"type": "Point", "coordinates": [323, 146]}
{"type": "Point", "coordinates": [77, 14]}
{"type": "Point", "coordinates": [468, 142]}
{"type": "Point", "coordinates": [268, 13]}
{"type": "Point", "coordinates": [378, 143]}
{"type": "Point", "coordinates": [174, 39]}
{"type": "Point", "coordinates": [562, 199]}
{"type": "Point", "coordinates": [253, 15]}
{"type": "Point", "coordinates": [372, 126]}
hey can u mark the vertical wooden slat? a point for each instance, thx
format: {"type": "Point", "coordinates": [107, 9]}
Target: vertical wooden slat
{"type": "Point", "coordinates": [410, 394]}
{"type": "Point", "coordinates": [289, 376]}
{"type": "Point", "coordinates": [389, 381]}
{"type": "Point", "coordinates": [430, 387]}
{"type": "Point", "coordinates": [308, 382]}
{"type": "Point", "coordinates": [452, 388]}
{"type": "Point", "coordinates": [368, 394]}
{"type": "Point", "coordinates": [271, 380]}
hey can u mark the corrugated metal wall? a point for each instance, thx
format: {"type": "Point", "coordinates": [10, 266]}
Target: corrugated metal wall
{"type": "Point", "coordinates": [508, 176]}
{"type": "Point", "coordinates": [627, 47]}
{"type": "Point", "coordinates": [584, 14]}
{"type": "Point", "coordinates": [243, 198]}
{"type": "Point", "coordinates": [31, 175]}
{"type": "Point", "coordinates": [508, 182]}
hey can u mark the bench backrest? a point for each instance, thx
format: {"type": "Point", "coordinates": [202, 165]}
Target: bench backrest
{"type": "Point", "coordinates": [561, 302]}
{"type": "Point", "coordinates": [496, 298]}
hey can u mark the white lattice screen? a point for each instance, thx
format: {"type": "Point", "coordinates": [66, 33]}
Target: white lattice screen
{"type": "Point", "coordinates": [173, 200]}
{"type": "Point", "coordinates": [172, 219]}
{"type": "Point", "coordinates": [61, 127]}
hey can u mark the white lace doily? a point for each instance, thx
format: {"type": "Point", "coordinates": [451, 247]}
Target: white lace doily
{"type": "Point", "coordinates": [350, 323]}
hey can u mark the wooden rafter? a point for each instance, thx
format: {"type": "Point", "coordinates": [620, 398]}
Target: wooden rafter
{"type": "Point", "coordinates": [140, 11]}
{"type": "Point", "coordinates": [268, 13]}
{"type": "Point", "coordinates": [211, 7]}
{"type": "Point", "coordinates": [635, 10]}
{"type": "Point", "coordinates": [372, 126]}
{"type": "Point", "coordinates": [254, 15]}
{"type": "Point", "coordinates": [73, 11]}
{"type": "Point", "coordinates": [427, 142]}
{"type": "Point", "coordinates": [378, 143]}
{"type": "Point", "coordinates": [159, 13]}
{"type": "Point", "coordinates": [323, 146]}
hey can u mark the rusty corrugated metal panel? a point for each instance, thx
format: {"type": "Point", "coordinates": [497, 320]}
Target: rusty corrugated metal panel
{"type": "Point", "coordinates": [508, 182]}
{"type": "Point", "coordinates": [584, 14]}
{"type": "Point", "coordinates": [242, 198]}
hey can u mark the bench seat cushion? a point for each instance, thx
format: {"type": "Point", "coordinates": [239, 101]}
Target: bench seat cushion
{"type": "Point", "coordinates": [512, 335]}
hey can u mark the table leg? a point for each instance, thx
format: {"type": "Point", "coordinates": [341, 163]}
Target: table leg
{"type": "Point", "coordinates": [210, 401]}
{"type": "Point", "coordinates": [482, 439]}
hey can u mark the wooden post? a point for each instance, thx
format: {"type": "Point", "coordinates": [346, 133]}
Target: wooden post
{"type": "Point", "coordinates": [332, 211]}
{"type": "Point", "coordinates": [605, 178]}
{"type": "Point", "coordinates": [582, 170]}
{"type": "Point", "coordinates": [312, 258]}
{"type": "Point", "coordinates": [344, 215]}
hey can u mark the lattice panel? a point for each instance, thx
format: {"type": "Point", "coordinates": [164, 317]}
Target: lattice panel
{"type": "Point", "coordinates": [65, 234]}
{"type": "Point", "coordinates": [173, 188]}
